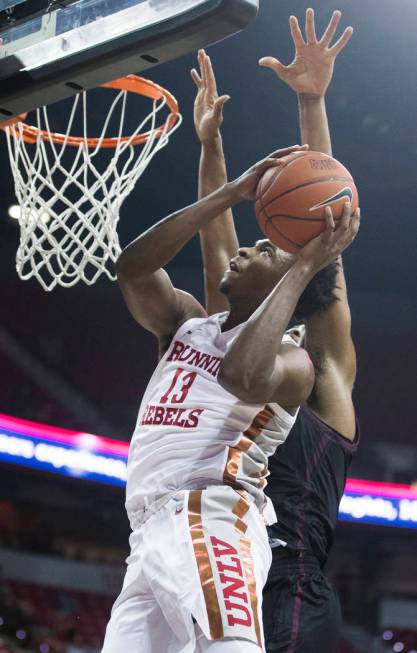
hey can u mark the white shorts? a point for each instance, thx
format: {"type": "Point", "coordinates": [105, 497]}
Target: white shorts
{"type": "Point", "coordinates": [203, 559]}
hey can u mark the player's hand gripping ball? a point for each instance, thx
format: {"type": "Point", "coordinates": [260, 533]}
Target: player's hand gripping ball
{"type": "Point", "coordinates": [291, 199]}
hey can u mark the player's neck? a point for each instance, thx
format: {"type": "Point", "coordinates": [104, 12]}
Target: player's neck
{"type": "Point", "coordinates": [240, 311]}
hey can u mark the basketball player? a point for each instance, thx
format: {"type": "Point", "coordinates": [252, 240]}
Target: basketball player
{"type": "Point", "coordinates": [301, 611]}
{"type": "Point", "coordinates": [199, 548]}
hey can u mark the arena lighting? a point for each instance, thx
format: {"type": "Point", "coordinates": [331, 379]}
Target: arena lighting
{"type": "Point", "coordinates": [14, 211]}
{"type": "Point", "coordinates": [68, 453]}
{"type": "Point", "coordinates": [386, 504]}
{"type": "Point", "coordinates": [90, 457]}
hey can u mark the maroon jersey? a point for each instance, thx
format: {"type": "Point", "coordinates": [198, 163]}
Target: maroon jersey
{"type": "Point", "coordinates": [306, 483]}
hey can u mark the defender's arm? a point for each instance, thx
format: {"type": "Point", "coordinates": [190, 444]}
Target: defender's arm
{"type": "Point", "coordinates": [328, 334]}
{"type": "Point", "coordinates": [218, 239]}
{"type": "Point", "coordinates": [330, 345]}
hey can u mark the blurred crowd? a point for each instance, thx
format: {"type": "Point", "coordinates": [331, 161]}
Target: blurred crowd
{"type": "Point", "coordinates": [46, 620]}
{"type": "Point", "coordinates": [36, 619]}
{"type": "Point", "coordinates": [23, 529]}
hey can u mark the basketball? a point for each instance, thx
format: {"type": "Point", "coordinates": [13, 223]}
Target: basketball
{"type": "Point", "coordinates": [291, 199]}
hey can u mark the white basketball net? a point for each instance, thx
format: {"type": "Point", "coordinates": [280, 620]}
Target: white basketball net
{"type": "Point", "coordinates": [69, 210]}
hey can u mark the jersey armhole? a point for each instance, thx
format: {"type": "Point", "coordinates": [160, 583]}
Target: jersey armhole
{"type": "Point", "coordinates": [338, 438]}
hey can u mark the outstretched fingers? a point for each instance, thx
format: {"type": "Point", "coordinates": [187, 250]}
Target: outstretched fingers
{"type": "Point", "coordinates": [273, 64]}
{"type": "Point", "coordinates": [210, 78]}
{"type": "Point", "coordinates": [310, 26]}
{"type": "Point", "coordinates": [197, 79]}
{"type": "Point", "coordinates": [342, 42]}
{"type": "Point", "coordinates": [331, 31]}
{"type": "Point", "coordinates": [296, 32]}
{"type": "Point", "coordinates": [218, 106]}
{"type": "Point", "coordinates": [331, 28]}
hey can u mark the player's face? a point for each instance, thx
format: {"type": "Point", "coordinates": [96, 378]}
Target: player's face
{"type": "Point", "coordinates": [254, 271]}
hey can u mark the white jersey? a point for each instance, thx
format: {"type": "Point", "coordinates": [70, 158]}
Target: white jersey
{"type": "Point", "coordinates": [191, 433]}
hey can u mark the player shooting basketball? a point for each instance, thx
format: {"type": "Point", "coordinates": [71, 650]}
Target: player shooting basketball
{"type": "Point", "coordinates": [301, 610]}
{"type": "Point", "coordinates": [198, 458]}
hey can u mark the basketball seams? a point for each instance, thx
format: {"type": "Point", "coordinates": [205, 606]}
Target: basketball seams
{"type": "Point", "coordinates": [275, 176]}
{"type": "Point", "coordinates": [269, 184]}
{"type": "Point", "coordinates": [278, 230]}
{"type": "Point", "coordinates": [296, 217]}
{"type": "Point", "coordinates": [266, 224]}
{"type": "Point", "coordinates": [269, 222]}
{"type": "Point", "coordinates": [305, 185]}
{"type": "Point", "coordinates": [260, 212]}
{"type": "Point", "coordinates": [276, 199]}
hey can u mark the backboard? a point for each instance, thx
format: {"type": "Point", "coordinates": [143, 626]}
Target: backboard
{"type": "Point", "coordinates": [53, 49]}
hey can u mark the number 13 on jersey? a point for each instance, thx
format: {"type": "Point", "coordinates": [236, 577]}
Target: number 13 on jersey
{"type": "Point", "coordinates": [182, 381]}
{"type": "Point", "coordinates": [177, 393]}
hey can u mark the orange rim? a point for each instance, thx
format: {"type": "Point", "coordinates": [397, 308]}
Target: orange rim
{"type": "Point", "coordinates": [130, 83]}
{"type": "Point", "coordinates": [12, 121]}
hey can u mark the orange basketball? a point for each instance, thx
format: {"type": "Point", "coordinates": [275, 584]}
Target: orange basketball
{"type": "Point", "coordinates": [291, 199]}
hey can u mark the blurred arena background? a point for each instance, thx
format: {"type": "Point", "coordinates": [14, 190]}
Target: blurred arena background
{"type": "Point", "coordinates": [75, 360]}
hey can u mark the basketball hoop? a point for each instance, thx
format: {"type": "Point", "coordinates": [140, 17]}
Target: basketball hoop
{"type": "Point", "coordinates": [70, 197]}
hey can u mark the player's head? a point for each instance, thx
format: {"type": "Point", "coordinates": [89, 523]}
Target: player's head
{"type": "Point", "coordinates": [255, 271]}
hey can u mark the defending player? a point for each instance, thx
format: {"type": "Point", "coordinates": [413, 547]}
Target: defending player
{"type": "Point", "coordinates": [197, 462]}
{"type": "Point", "coordinates": [301, 611]}
{"type": "Point", "coordinates": [308, 473]}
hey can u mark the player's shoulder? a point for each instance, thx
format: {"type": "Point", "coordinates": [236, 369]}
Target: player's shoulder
{"type": "Point", "coordinates": [188, 306]}
{"type": "Point", "coordinates": [297, 378]}
{"type": "Point", "coordinates": [297, 361]}
{"type": "Point", "coordinates": [190, 312]}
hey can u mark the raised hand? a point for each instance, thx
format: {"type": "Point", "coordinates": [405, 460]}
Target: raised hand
{"type": "Point", "coordinates": [245, 186]}
{"type": "Point", "coordinates": [329, 245]}
{"type": "Point", "coordinates": [312, 69]}
{"type": "Point", "coordinates": [208, 106]}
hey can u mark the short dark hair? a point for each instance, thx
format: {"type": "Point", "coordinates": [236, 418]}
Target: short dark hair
{"type": "Point", "coordinates": [319, 294]}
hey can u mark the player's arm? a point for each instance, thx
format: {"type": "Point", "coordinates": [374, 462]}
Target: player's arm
{"type": "Point", "coordinates": [328, 335]}
{"type": "Point", "coordinates": [218, 239]}
{"type": "Point", "coordinates": [147, 289]}
{"type": "Point", "coordinates": [330, 345]}
{"type": "Point", "coordinates": [258, 368]}
{"type": "Point", "coordinates": [310, 74]}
